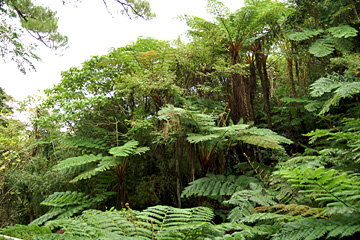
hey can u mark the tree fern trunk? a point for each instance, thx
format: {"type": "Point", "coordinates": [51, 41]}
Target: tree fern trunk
{"type": "Point", "coordinates": [191, 162]}
{"type": "Point", "coordinates": [260, 59]}
{"type": "Point", "coordinates": [178, 157]}
{"type": "Point", "coordinates": [294, 93]}
{"type": "Point", "coordinates": [241, 103]}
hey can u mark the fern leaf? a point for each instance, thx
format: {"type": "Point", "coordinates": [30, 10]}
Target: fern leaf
{"type": "Point", "coordinates": [256, 217]}
{"type": "Point", "coordinates": [343, 44]}
{"type": "Point", "coordinates": [61, 199]}
{"type": "Point", "coordinates": [324, 85]}
{"type": "Point", "coordinates": [321, 48]}
{"type": "Point", "coordinates": [214, 186]}
{"type": "Point", "coordinates": [54, 212]}
{"type": "Point", "coordinates": [125, 150]}
{"type": "Point", "coordinates": [167, 216]}
{"type": "Point", "coordinates": [105, 164]}
{"type": "Point", "coordinates": [332, 186]}
{"type": "Point", "coordinates": [196, 138]}
{"type": "Point", "coordinates": [86, 142]}
{"type": "Point", "coordinates": [21, 231]}
{"type": "Point", "coordinates": [261, 141]}
{"type": "Point", "coordinates": [258, 196]}
{"type": "Point", "coordinates": [343, 31]}
{"type": "Point", "coordinates": [296, 100]}
{"type": "Point", "coordinates": [305, 34]}
{"type": "Point", "coordinates": [71, 163]}
{"type": "Point", "coordinates": [262, 137]}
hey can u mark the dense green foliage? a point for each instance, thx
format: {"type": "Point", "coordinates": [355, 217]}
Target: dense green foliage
{"type": "Point", "coordinates": [250, 130]}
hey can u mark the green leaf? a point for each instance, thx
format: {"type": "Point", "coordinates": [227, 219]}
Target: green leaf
{"type": "Point", "coordinates": [321, 48]}
{"type": "Point", "coordinates": [343, 31]}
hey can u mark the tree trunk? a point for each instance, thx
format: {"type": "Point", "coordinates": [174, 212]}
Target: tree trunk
{"type": "Point", "coordinates": [294, 93]}
{"type": "Point", "coordinates": [191, 161]}
{"type": "Point", "coordinates": [241, 103]}
{"type": "Point", "coordinates": [178, 158]}
{"type": "Point", "coordinates": [260, 59]}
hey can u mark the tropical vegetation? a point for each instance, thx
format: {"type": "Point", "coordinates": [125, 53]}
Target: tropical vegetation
{"type": "Point", "coordinates": [248, 130]}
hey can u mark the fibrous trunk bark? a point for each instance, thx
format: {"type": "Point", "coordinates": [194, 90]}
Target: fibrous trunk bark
{"type": "Point", "coordinates": [178, 158]}
{"type": "Point", "coordinates": [260, 59]}
{"type": "Point", "coordinates": [240, 101]}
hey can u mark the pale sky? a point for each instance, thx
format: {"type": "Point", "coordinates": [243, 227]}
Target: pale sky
{"type": "Point", "coordinates": [93, 31]}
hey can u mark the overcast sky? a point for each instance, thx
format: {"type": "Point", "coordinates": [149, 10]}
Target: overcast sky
{"type": "Point", "coordinates": [92, 30]}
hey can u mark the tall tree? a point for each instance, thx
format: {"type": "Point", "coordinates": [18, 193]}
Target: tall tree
{"type": "Point", "coordinates": [237, 31]}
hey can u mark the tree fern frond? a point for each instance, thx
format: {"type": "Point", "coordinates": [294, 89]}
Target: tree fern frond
{"type": "Point", "coordinates": [341, 86]}
{"type": "Point", "coordinates": [51, 214]}
{"type": "Point", "coordinates": [196, 138]}
{"type": "Point", "coordinates": [346, 90]}
{"type": "Point", "coordinates": [67, 204]}
{"type": "Point", "coordinates": [343, 31]}
{"type": "Point", "coordinates": [242, 231]}
{"type": "Point", "coordinates": [239, 212]}
{"type": "Point", "coordinates": [58, 237]}
{"type": "Point", "coordinates": [262, 137]}
{"type": "Point", "coordinates": [256, 194]}
{"type": "Point", "coordinates": [257, 217]}
{"type": "Point", "coordinates": [215, 186]}
{"type": "Point", "coordinates": [74, 162]}
{"type": "Point", "coordinates": [329, 185]}
{"type": "Point", "coordinates": [105, 164]}
{"type": "Point", "coordinates": [140, 150]}
{"type": "Point", "coordinates": [201, 230]}
{"type": "Point", "coordinates": [124, 150]}
{"type": "Point", "coordinates": [217, 8]}
{"type": "Point", "coordinates": [87, 142]}
{"type": "Point", "coordinates": [343, 44]}
{"type": "Point", "coordinates": [325, 85]}
{"type": "Point", "coordinates": [61, 199]}
{"type": "Point", "coordinates": [261, 141]}
{"type": "Point", "coordinates": [166, 216]}
{"type": "Point", "coordinates": [22, 231]}
{"type": "Point", "coordinates": [305, 34]}
{"type": "Point", "coordinates": [321, 48]}
{"type": "Point", "coordinates": [247, 200]}
{"type": "Point", "coordinates": [313, 228]}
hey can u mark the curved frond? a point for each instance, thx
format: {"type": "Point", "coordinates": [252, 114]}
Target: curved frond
{"type": "Point", "coordinates": [216, 186]}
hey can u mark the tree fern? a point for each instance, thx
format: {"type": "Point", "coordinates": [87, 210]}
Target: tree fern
{"type": "Point", "coordinates": [208, 131]}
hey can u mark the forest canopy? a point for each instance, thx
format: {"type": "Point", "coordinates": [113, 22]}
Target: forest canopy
{"type": "Point", "coordinates": [248, 130]}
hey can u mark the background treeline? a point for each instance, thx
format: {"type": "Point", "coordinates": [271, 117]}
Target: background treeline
{"type": "Point", "coordinates": [249, 130]}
